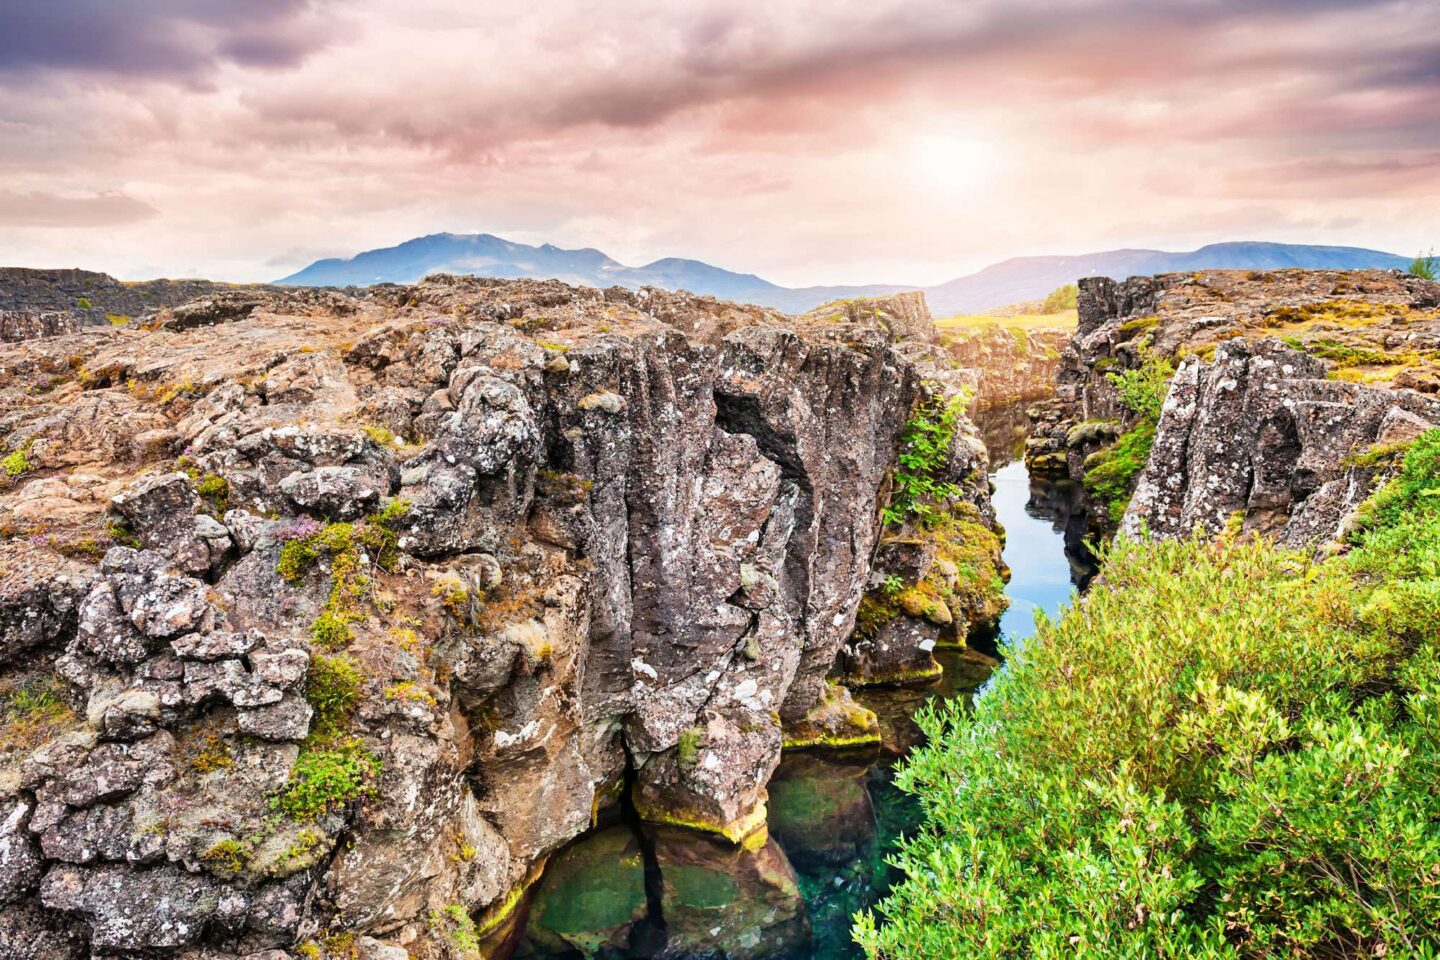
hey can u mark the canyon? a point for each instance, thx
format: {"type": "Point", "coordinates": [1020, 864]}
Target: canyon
{"type": "Point", "coordinates": [509, 618]}
{"type": "Point", "coordinates": [328, 617]}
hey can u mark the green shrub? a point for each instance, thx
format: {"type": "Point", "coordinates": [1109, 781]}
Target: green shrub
{"type": "Point", "coordinates": [1426, 266]}
{"type": "Point", "coordinates": [920, 484]}
{"type": "Point", "coordinates": [1111, 473]}
{"type": "Point", "coordinates": [1228, 750]}
{"type": "Point", "coordinates": [1144, 389]}
{"type": "Point", "coordinates": [325, 780]}
{"type": "Point", "coordinates": [1061, 299]}
{"type": "Point", "coordinates": [83, 303]}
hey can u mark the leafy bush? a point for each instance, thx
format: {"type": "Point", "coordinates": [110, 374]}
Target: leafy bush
{"type": "Point", "coordinates": [1144, 389]}
{"type": "Point", "coordinates": [1111, 473]}
{"type": "Point", "coordinates": [1061, 299]}
{"type": "Point", "coordinates": [920, 483]}
{"type": "Point", "coordinates": [1426, 266]}
{"type": "Point", "coordinates": [1230, 750]}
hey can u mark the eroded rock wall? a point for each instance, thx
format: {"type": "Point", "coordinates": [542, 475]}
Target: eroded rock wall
{"type": "Point", "coordinates": [1287, 389]}
{"type": "Point", "coordinates": [1005, 365]}
{"type": "Point", "coordinates": [327, 619]}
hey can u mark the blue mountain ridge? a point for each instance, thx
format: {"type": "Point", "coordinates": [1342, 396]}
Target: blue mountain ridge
{"type": "Point", "coordinates": [1010, 281]}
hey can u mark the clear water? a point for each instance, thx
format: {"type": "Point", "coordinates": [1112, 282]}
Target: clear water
{"type": "Point", "coordinates": [1042, 576]}
{"type": "Point", "coordinates": [838, 817]}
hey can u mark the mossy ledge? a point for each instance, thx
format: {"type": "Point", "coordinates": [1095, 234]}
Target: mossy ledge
{"type": "Point", "coordinates": [738, 831]}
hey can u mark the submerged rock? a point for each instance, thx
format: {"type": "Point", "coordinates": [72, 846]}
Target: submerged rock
{"type": "Point", "coordinates": [718, 900]}
{"type": "Point", "coordinates": [591, 897]}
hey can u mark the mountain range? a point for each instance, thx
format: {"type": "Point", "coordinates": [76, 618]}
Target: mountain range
{"type": "Point", "coordinates": [1010, 281]}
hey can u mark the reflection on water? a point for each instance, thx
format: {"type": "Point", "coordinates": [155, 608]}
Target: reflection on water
{"type": "Point", "coordinates": [833, 817]}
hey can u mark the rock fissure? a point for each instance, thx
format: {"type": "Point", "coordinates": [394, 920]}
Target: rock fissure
{"type": "Point", "coordinates": [349, 610]}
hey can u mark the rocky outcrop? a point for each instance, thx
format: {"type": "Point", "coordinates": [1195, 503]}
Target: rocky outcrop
{"type": "Point", "coordinates": [1287, 391]}
{"type": "Point", "coordinates": [93, 299]}
{"type": "Point", "coordinates": [17, 325]}
{"type": "Point", "coordinates": [1007, 365]}
{"type": "Point", "coordinates": [1260, 432]}
{"type": "Point", "coordinates": [330, 617]}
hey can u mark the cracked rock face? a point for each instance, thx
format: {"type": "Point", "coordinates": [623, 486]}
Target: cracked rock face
{"type": "Point", "coordinates": [1286, 383]}
{"type": "Point", "coordinates": [436, 571]}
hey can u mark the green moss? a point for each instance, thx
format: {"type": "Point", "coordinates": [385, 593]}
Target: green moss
{"type": "Point", "coordinates": [330, 631]}
{"type": "Point", "coordinates": [737, 832]}
{"type": "Point", "coordinates": [118, 319]}
{"type": "Point", "coordinates": [700, 887]}
{"type": "Point", "coordinates": [332, 688]}
{"type": "Point", "coordinates": [687, 752]}
{"type": "Point", "coordinates": [589, 892]}
{"type": "Point", "coordinates": [83, 304]}
{"type": "Point", "coordinates": [227, 857]}
{"type": "Point", "coordinates": [214, 754]}
{"type": "Point", "coordinates": [898, 677]}
{"type": "Point", "coordinates": [17, 463]}
{"type": "Point", "coordinates": [383, 436]}
{"type": "Point", "coordinates": [215, 491]}
{"type": "Point", "coordinates": [457, 924]}
{"type": "Point", "coordinates": [1139, 325]}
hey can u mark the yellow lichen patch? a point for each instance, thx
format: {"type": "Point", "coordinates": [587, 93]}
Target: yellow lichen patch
{"type": "Point", "coordinates": [1342, 313]}
{"type": "Point", "coordinates": [836, 722]}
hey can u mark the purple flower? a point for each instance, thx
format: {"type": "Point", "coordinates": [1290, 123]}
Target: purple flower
{"type": "Point", "coordinates": [299, 529]}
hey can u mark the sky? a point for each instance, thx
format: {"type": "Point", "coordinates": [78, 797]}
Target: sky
{"type": "Point", "coordinates": [808, 141]}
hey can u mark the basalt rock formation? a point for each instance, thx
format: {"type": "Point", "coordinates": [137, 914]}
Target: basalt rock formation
{"type": "Point", "coordinates": [94, 299]}
{"type": "Point", "coordinates": [1290, 391]}
{"type": "Point", "coordinates": [1006, 365]}
{"type": "Point", "coordinates": [327, 618]}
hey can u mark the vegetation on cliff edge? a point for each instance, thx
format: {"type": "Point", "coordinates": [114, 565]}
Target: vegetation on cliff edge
{"type": "Point", "coordinates": [1111, 473]}
{"type": "Point", "coordinates": [1230, 750]}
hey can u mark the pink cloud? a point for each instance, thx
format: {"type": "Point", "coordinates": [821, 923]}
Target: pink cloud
{"type": "Point", "coordinates": [808, 141]}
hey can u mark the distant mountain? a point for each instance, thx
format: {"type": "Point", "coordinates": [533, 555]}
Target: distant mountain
{"type": "Point", "coordinates": [1022, 278]}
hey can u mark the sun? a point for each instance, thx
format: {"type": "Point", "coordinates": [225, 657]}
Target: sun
{"type": "Point", "coordinates": [950, 165]}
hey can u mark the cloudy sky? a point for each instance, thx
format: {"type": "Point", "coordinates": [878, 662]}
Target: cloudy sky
{"type": "Point", "coordinates": [810, 141]}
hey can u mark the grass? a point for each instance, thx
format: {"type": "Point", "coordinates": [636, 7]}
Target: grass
{"type": "Point", "coordinates": [31, 711]}
{"type": "Point", "coordinates": [1228, 750]}
{"type": "Point", "coordinates": [1065, 320]}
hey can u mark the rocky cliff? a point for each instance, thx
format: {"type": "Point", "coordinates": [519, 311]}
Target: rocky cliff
{"type": "Point", "coordinates": [97, 298]}
{"type": "Point", "coordinates": [325, 619]}
{"type": "Point", "coordinates": [1004, 365]}
{"type": "Point", "coordinates": [1193, 400]}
